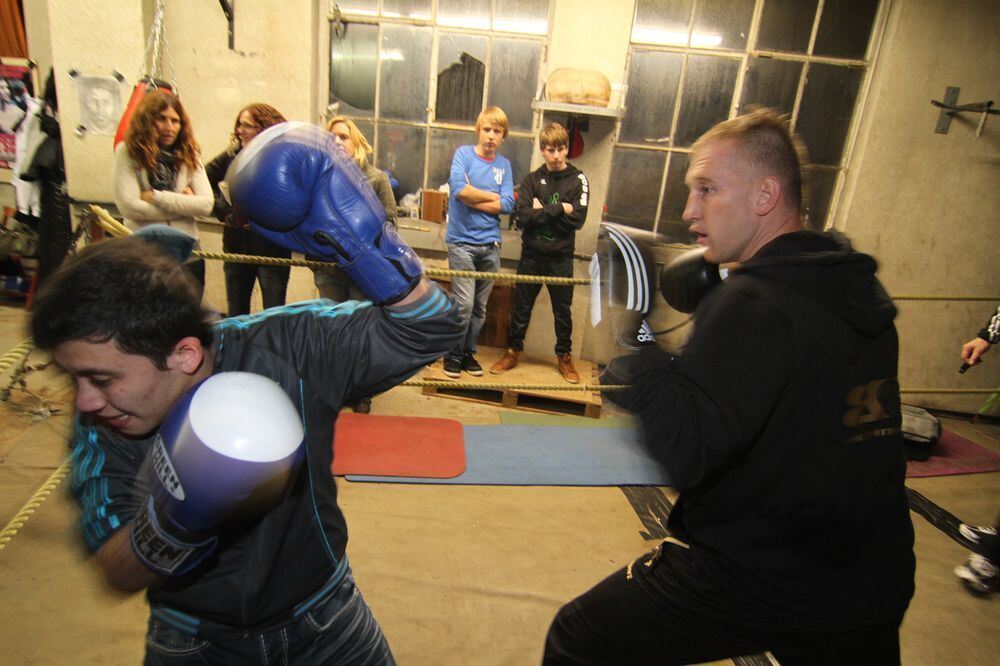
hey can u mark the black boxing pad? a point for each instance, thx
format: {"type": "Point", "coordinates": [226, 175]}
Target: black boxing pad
{"type": "Point", "coordinates": [687, 278]}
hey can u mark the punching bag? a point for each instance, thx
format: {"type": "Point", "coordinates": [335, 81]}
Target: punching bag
{"type": "Point", "coordinates": [143, 86]}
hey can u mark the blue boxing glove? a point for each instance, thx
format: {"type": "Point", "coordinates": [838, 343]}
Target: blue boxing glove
{"type": "Point", "coordinates": [226, 449]}
{"type": "Point", "coordinates": [303, 193]}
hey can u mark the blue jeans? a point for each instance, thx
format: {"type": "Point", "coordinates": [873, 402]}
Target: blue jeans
{"type": "Point", "coordinates": [337, 630]}
{"type": "Point", "coordinates": [470, 294]}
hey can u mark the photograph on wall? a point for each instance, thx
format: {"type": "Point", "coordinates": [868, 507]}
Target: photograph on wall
{"type": "Point", "coordinates": [16, 87]}
{"type": "Point", "coordinates": [100, 103]}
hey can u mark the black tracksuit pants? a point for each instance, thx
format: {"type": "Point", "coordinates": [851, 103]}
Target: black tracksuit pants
{"type": "Point", "coordinates": [561, 296]}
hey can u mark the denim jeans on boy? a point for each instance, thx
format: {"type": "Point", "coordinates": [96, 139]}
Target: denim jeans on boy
{"type": "Point", "coordinates": [338, 629]}
{"type": "Point", "coordinates": [470, 294]}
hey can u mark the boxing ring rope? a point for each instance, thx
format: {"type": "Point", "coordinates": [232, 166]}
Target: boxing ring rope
{"type": "Point", "coordinates": [116, 228]}
{"type": "Point", "coordinates": [22, 516]}
{"type": "Point", "coordinates": [20, 351]}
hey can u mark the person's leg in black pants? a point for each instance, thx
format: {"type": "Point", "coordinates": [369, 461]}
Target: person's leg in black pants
{"type": "Point", "coordinates": [239, 286]}
{"type": "Point", "coordinates": [525, 294]}
{"type": "Point", "coordinates": [273, 284]}
{"type": "Point", "coordinates": [562, 303]}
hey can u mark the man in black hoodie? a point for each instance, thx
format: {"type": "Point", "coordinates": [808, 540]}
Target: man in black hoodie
{"type": "Point", "coordinates": [780, 425]}
{"type": "Point", "coordinates": [551, 207]}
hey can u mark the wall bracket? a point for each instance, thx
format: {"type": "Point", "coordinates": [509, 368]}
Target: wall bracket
{"type": "Point", "coordinates": [950, 107]}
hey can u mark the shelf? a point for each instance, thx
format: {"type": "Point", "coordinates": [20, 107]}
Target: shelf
{"type": "Point", "coordinates": [578, 109]}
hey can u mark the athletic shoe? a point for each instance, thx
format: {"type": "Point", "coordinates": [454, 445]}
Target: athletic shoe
{"type": "Point", "coordinates": [980, 575]}
{"type": "Point", "coordinates": [471, 365]}
{"type": "Point", "coordinates": [452, 367]}
{"type": "Point", "coordinates": [982, 540]}
{"type": "Point", "coordinates": [507, 362]}
{"type": "Point", "coordinates": [566, 368]}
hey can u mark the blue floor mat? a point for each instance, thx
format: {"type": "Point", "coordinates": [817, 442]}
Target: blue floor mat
{"type": "Point", "coordinates": [549, 456]}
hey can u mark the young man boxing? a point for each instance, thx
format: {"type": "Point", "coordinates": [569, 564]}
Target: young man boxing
{"type": "Point", "coordinates": [258, 570]}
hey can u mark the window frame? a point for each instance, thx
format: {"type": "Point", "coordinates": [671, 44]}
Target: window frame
{"type": "Point", "coordinates": [744, 55]}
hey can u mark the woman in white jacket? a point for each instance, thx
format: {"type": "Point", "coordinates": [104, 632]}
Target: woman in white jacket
{"type": "Point", "coordinates": [158, 176]}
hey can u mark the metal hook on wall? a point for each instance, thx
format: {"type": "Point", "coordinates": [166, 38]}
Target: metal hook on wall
{"type": "Point", "coordinates": [950, 107]}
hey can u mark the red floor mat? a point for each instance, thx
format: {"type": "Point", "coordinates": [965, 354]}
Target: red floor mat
{"type": "Point", "coordinates": [954, 454]}
{"type": "Point", "coordinates": [398, 446]}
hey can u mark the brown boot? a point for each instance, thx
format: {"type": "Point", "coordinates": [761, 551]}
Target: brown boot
{"type": "Point", "coordinates": [567, 370]}
{"type": "Point", "coordinates": [506, 362]}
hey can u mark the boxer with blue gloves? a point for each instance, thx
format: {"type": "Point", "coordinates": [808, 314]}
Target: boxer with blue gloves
{"type": "Point", "coordinates": [303, 193]}
{"type": "Point", "coordinates": [214, 496]}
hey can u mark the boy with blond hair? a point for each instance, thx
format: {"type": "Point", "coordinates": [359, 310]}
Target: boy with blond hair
{"type": "Point", "coordinates": [481, 187]}
{"type": "Point", "coordinates": [551, 207]}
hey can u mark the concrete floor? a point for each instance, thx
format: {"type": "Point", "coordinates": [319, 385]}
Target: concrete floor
{"type": "Point", "coordinates": [455, 574]}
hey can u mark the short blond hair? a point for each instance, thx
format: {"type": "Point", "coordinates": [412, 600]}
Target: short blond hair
{"type": "Point", "coordinates": [362, 149]}
{"type": "Point", "coordinates": [554, 135]}
{"type": "Point", "coordinates": [492, 115]}
{"type": "Point", "coordinates": [765, 142]}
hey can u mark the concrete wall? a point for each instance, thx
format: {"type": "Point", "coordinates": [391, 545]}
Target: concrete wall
{"type": "Point", "coordinates": [926, 205]}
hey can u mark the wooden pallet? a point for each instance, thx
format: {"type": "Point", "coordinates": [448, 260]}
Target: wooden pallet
{"type": "Point", "coordinates": [530, 370]}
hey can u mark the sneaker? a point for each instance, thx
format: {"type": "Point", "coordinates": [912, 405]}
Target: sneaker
{"type": "Point", "coordinates": [566, 368]}
{"type": "Point", "coordinates": [980, 575]}
{"type": "Point", "coordinates": [471, 365]}
{"type": "Point", "coordinates": [982, 540]}
{"type": "Point", "coordinates": [452, 367]}
{"type": "Point", "coordinates": [506, 362]}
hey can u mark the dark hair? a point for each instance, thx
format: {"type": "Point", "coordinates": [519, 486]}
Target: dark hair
{"type": "Point", "coordinates": [126, 290]}
{"type": "Point", "coordinates": [767, 145]}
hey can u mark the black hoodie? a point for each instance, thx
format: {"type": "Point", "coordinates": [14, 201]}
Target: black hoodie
{"type": "Point", "coordinates": [780, 424]}
{"type": "Point", "coordinates": [549, 230]}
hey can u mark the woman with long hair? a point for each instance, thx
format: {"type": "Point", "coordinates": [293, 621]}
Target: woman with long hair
{"type": "Point", "coordinates": [237, 237]}
{"type": "Point", "coordinates": [353, 143]}
{"type": "Point", "coordinates": [158, 176]}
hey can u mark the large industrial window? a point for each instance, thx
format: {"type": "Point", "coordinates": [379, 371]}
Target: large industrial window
{"type": "Point", "coordinates": [414, 75]}
{"type": "Point", "coordinates": [693, 63]}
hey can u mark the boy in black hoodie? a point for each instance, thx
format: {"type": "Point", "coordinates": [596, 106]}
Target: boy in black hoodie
{"type": "Point", "coordinates": [780, 425]}
{"type": "Point", "coordinates": [551, 207]}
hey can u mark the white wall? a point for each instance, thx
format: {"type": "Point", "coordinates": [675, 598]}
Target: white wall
{"type": "Point", "coordinates": [927, 205]}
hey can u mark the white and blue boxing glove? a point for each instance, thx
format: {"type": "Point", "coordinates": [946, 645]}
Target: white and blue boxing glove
{"type": "Point", "coordinates": [228, 447]}
{"type": "Point", "coordinates": [303, 193]}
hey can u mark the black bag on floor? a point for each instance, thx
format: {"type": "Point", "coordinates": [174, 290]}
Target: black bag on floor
{"type": "Point", "coordinates": [921, 430]}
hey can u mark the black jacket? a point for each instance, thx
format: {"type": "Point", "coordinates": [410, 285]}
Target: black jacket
{"type": "Point", "coordinates": [549, 230]}
{"type": "Point", "coordinates": [780, 424]}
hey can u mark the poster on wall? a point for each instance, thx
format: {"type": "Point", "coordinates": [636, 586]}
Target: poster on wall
{"type": "Point", "coordinates": [100, 103]}
{"type": "Point", "coordinates": [16, 85]}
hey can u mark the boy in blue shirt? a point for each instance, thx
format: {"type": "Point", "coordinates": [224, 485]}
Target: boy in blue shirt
{"type": "Point", "coordinates": [482, 187]}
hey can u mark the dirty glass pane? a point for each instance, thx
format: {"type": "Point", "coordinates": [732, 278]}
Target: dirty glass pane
{"type": "Point", "coordinates": [366, 7]}
{"type": "Point", "coordinates": [635, 186]}
{"type": "Point", "coordinates": [844, 28]}
{"type": "Point", "coordinates": [708, 94]}
{"type": "Point", "coordinates": [461, 77]}
{"type": "Point", "coordinates": [675, 194]}
{"type": "Point", "coordinates": [722, 24]}
{"type": "Point", "coordinates": [415, 9]}
{"type": "Point", "coordinates": [518, 149]}
{"type": "Point", "coordinates": [786, 25]}
{"type": "Point", "coordinates": [367, 128]}
{"type": "Point", "coordinates": [524, 16]}
{"type": "Point", "coordinates": [662, 22]}
{"type": "Point", "coordinates": [464, 13]}
{"type": "Point", "coordinates": [401, 151]}
{"type": "Point", "coordinates": [652, 93]}
{"type": "Point", "coordinates": [404, 79]}
{"type": "Point", "coordinates": [819, 192]}
{"type": "Point", "coordinates": [513, 79]}
{"type": "Point", "coordinates": [771, 83]}
{"type": "Point", "coordinates": [826, 110]}
{"type": "Point", "coordinates": [352, 67]}
{"type": "Point", "coordinates": [443, 145]}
